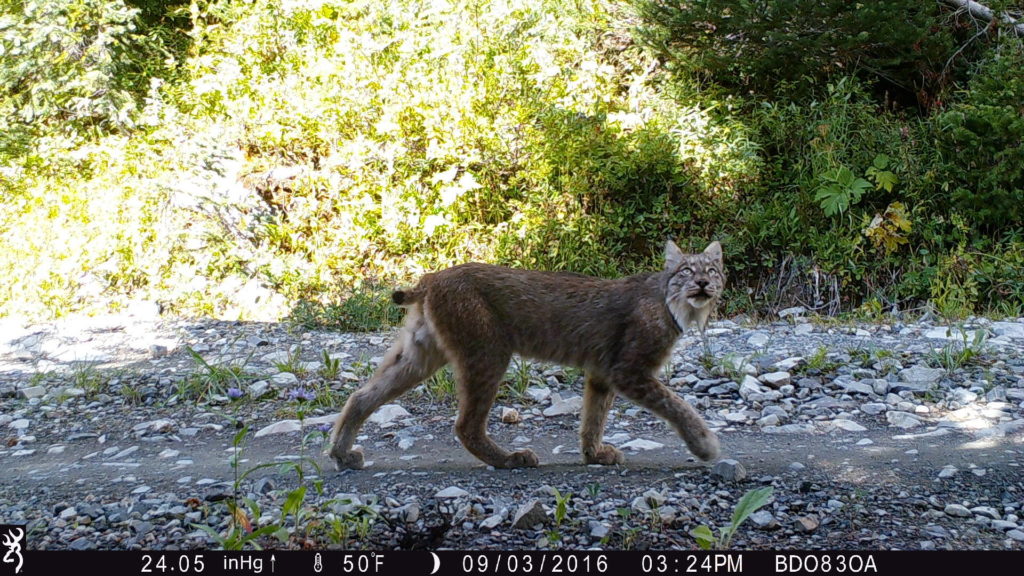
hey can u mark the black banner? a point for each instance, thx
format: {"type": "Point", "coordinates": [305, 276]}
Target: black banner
{"type": "Point", "coordinates": [416, 563]}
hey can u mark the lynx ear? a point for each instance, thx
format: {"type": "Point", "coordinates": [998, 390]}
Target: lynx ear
{"type": "Point", "coordinates": [673, 255]}
{"type": "Point", "coordinates": [714, 250]}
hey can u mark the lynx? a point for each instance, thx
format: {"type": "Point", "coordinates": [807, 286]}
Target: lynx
{"type": "Point", "coordinates": [476, 316]}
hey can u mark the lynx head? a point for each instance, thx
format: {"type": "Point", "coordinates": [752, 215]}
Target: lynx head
{"type": "Point", "coordinates": [695, 283]}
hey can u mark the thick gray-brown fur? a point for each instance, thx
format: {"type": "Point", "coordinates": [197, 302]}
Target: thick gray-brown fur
{"type": "Point", "coordinates": [476, 316]}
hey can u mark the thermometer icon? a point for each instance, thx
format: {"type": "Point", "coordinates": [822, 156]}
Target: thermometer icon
{"type": "Point", "coordinates": [318, 564]}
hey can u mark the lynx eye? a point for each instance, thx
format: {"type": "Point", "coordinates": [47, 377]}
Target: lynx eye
{"type": "Point", "coordinates": [687, 271]}
{"type": "Point", "coordinates": [713, 272]}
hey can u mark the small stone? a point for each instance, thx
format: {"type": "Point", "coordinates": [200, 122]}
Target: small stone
{"type": "Point", "coordinates": [797, 466]}
{"type": "Point", "coordinates": [561, 406]}
{"type": "Point", "coordinates": [529, 515]}
{"type": "Point", "coordinates": [510, 416]}
{"type": "Point", "coordinates": [957, 511]}
{"type": "Point", "coordinates": [903, 420]}
{"type": "Point", "coordinates": [538, 394]}
{"type": "Point", "coordinates": [282, 427]}
{"type": "Point", "coordinates": [921, 374]}
{"type": "Point", "coordinates": [864, 442]}
{"type": "Point", "coordinates": [729, 470]}
{"type": "Point", "coordinates": [858, 388]}
{"type": "Point", "coordinates": [873, 408]}
{"type": "Point", "coordinates": [776, 379]}
{"type": "Point", "coordinates": [32, 392]}
{"type": "Point", "coordinates": [848, 425]}
{"type": "Point", "coordinates": [764, 520]}
{"type": "Point", "coordinates": [284, 379]}
{"type": "Point", "coordinates": [58, 449]}
{"type": "Point", "coordinates": [642, 444]}
{"type": "Point", "coordinates": [806, 523]}
{"type": "Point", "coordinates": [1004, 525]}
{"type": "Point", "coordinates": [986, 511]}
{"type": "Point", "coordinates": [794, 311]}
{"type": "Point", "coordinates": [452, 492]}
{"type": "Point", "coordinates": [1017, 535]}
{"type": "Point", "coordinates": [388, 413]}
{"type": "Point", "coordinates": [68, 513]}
{"type": "Point", "coordinates": [258, 389]}
{"type": "Point", "coordinates": [169, 453]}
{"type": "Point", "coordinates": [598, 529]}
{"type": "Point", "coordinates": [947, 472]}
{"type": "Point", "coordinates": [758, 340]}
{"type": "Point", "coordinates": [750, 385]}
{"type": "Point", "coordinates": [19, 424]}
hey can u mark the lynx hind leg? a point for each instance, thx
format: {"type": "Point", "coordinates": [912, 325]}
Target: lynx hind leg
{"type": "Point", "coordinates": [478, 381]}
{"type": "Point", "coordinates": [656, 397]}
{"type": "Point", "coordinates": [597, 401]}
{"type": "Point", "coordinates": [412, 358]}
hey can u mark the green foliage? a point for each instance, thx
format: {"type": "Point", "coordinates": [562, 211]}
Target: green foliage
{"type": "Point", "coordinates": [748, 504]}
{"type": "Point", "coordinates": [980, 137]}
{"type": "Point", "coordinates": [791, 47]}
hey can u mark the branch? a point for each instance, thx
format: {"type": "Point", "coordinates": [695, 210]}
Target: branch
{"type": "Point", "coordinates": [985, 13]}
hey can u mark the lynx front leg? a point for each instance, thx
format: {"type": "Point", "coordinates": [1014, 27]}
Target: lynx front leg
{"type": "Point", "coordinates": [478, 387]}
{"type": "Point", "coordinates": [597, 401]}
{"type": "Point", "coordinates": [413, 358]}
{"type": "Point", "coordinates": [656, 397]}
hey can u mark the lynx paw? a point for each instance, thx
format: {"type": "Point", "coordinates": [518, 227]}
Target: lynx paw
{"type": "Point", "coordinates": [706, 447]}
{"type": "Point", "coordinates": [352, 460]}
{"type": "Point", "coordinates": [606, 455]}
{"type": "Point", "coordinates": [521, 459]}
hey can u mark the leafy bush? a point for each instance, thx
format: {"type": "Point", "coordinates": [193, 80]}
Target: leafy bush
{"type": "Point", "coordinates": [792, 47]}
{"type": "Point", "coordinates": [980, 137]}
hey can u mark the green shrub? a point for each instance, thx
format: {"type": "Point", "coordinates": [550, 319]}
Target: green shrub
{"type": "Point", "coordinates": [980, 138]}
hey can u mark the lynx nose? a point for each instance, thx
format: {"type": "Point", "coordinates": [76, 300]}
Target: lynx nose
{"type": "Point", "coordinates": [702, 282]}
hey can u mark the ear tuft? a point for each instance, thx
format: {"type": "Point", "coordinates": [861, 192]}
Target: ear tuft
{"type": "Point", "coordinates": [714, 250]}
{"type": "Point", "coordinates": [673, 255]}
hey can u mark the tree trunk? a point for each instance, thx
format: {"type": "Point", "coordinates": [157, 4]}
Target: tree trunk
{"type": "Point", "coordinates": [984, 12]}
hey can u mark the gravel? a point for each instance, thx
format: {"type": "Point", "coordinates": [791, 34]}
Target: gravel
{"type": "Point", "coordinates": [868, 440]}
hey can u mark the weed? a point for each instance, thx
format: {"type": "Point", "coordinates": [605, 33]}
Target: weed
{"type": "Point", "coordinates": [86, 377]}
{"type": "Point", "coordinates": [441, 386]}
{"type": "Point", "coordinates": [292, 362]}
{"type": "Point", "coordinates": [211, 379]}
{"type": "Point", "coordinates": [519, 377]}
{"type": "Point", "coordinates": [330, 367]}
{"type": "Point", "coordinates": [747, 505]}
{"type": "Point", "coordinates": [561, 513]}
{"type": "Point", "coordinates": [961, 351]}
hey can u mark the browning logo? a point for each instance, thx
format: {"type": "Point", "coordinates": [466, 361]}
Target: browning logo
{"type": "Point", "coordinates": [12, 539]}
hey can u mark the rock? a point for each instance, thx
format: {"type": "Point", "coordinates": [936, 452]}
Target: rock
{"type": "Point", "coordinates": [1004, 525]}
{"type": "Point", "coordinates": [68, 513]}
{"type": "Point", "coordinates": [986, 511]}
{"type": "Point", "coordinates": [764, 519]}
{"type": "Point", "coordinates": [538, 394]}
{"type": "Point", "coordinates": [769, 420]}
{"type": "Point", "coordinates": [788, 364]}
{"type": "Point", "coordinates": [529, 515]}
{"type": "Point", "coordinates": [388, 413]}
{"type": "Point", "coordinates": [729, 470]}
{"type": "Point", "coordinates": [452, 492]}
{"type": "Point", "coordinates": [19, 425]}
{"type": "Point", "coordinates": [794, 311]}
{"type": "Point", "coordinates": [32, 392]}
{"type": "Point", "coordinates": [864, 442]}
{"type": "Point", "coordinates": [750, 385]}
{"type": "Point", "coordinates": [873, 408]}
{"type": "Point", "coordinates": [282, 427]}
{"type": "Point", "coordinates": [284, 379]}
{"type": "Point", "coordinates": [858, 388]}
{"type": "Point", "coordinates": [1008, 329]}
{"type": "Point", "coordinates": [758, 340]}
{"type": "Point", "coordinates": [806, 524]}
{"type": "Point", "coordinates": [776, 379]}
{"type": "Point", "coordinates": [921, 374]}
{"type": "Point", "coordinates": [510, 416]}
{"type": "Point", "coordinates": [641, 444]}
{"type": "Point", "coordinates": [903, 420]}
{"type": "Point", "coordinates": [947, 471]}
{"type": "Point", "coordinates": [848, 425]}
{"type": "Point", "coordinates": [492, 522]}
{"type": "Point", "coordinates": [957, 511]}
{"type": "Point", "coordinates": [1017, 535]}
{"type": "Point", "coordinates": [258, 389]}
{"type": "Point", "coordinates": [561, 406]}
{"type": "Point", "coordinates": [598, 529]}
{"type": "Point", "coordinates": [803, 329]}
